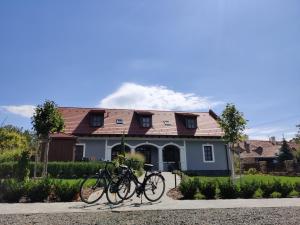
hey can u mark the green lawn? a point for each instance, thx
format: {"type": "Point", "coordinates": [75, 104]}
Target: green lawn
{"type": "Point", "coordinates": [264, 178]}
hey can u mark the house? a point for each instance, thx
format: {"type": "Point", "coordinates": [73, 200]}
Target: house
{"type": "Point", "coordinates": [253, 151]}
{"type": "Point", "coordinates": [167, 139]}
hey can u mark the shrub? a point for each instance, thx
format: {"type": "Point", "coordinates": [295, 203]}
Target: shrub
{"type": "Point", "coordinates": [251, 171]}
{"type": "Point", "coordinates": [188, 187]}
{"type": "Point", "coordinates": [285, 189]}
{"type": "Point", "coordinates": [12, 190]}
{"type": "Point", "coordinates": [267, 188]}
{"type": "Point", "coordinates": [199, 196]}
{"type": "Point", "coordinates": [227, 190]}
{"type": "Point", "coordinates": [258, 193]}
{"type": "Point", "coordinates": [10, 155]}
{"type": "Point", "coordinates": [297, 186]}
{"type": "Point", "coordinates": [275, 194]}
{"type": "Point", "coordinates": [22, 170]}
{"type": "Point", "coordinates": [64, 170]}
{"type": "Point", "coordinates": [248, 188]}
{"type": "Point", "coordinates": [208, 189]}
{"type": "Point", "coordinates": [135, 160]}
{"type": "Point", "coordinates": [294, 194]}
{"type": "Point", "coordinates": [38, 190]}
{"type": "Point", "coordinates": [66, 191]}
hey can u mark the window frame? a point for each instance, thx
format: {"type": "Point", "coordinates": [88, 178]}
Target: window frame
{"type": "Point", "coordinates": [92, 119]}
{"type": "Point", "coordinates": [83, 153]}
{"type": "Point", "coordinates": [142, 122]}
{"type": "Point", "coordinates": [191, 119]}
{"type": "Point", "coordinates": [212, 151]}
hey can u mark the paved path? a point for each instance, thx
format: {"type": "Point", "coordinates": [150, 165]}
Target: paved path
{"type": "Point", "coordinates": [135, 204]}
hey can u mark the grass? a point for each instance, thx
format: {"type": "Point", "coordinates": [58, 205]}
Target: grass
{"type": "Point", "coordinates": [258, 177]}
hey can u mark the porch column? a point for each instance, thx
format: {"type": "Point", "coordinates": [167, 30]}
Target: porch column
{"type": "Point", "coordinates": [160, 159]}
{"type": "Point", "coordinates": [183, 158]}
{"type": "Point", "coordinates": [132, 150]}
{"type": "Point", "coordinates": [108, 153]}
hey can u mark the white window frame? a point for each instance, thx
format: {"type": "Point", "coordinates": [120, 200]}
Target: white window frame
{"type": "Point", "coordinates": [212, 151]}
{"type": "Point", "coordinates": [81, 144]}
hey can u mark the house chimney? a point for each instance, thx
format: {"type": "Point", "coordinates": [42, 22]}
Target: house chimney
{"type": "Point", "coordinates": [272, 140]}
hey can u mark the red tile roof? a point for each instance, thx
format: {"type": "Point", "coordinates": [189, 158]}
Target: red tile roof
{"type": "Point", "coordinates": [259, 149]}
{"type": "Point", "coordinates": [77, 123]}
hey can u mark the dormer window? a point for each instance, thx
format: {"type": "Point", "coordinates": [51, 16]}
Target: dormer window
{"type": "Point", "coordinates": [146, 121]}
{"type": "Point", "coordinates": [96, 120]}
{"type": "Point", "coordinates": [190, 123]}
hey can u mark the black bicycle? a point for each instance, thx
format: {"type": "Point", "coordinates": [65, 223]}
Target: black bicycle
{"type": "Point", "coordinates": [93, 187]}
{"type": "Point", "coordinates": [152, 186]}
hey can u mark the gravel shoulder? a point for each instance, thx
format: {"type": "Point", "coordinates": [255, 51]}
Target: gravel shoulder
{"type": "Point", "coordinates": [249, 216]}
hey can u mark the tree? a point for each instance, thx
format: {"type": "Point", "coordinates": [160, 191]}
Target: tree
{"type": "Point", "coordinates": [285, 152]}
{"type": "Point", "coordinates": [233, 124]}
{"type": "Point", "coordinates": [297, 138]}
{"type": "Point", "coordinates": [13, 138]}
{"type": "Point", "coordinates": [46, 120]}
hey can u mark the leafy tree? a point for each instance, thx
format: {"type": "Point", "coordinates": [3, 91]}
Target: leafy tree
{"type": "Point", "coordinates": [233, 124]}
{"type": "Point", "coordinates": [46, 120]}
{"type": "Point", "coordinates": [13, 138]}
{"type": "Point", "coordinates": [297, 138]}
{"type": "Point", "coordinates": [285, 152]}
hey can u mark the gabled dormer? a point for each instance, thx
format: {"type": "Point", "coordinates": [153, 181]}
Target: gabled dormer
{"type": "Point", "coordinates": [189, 120]}
{"type": "Point", "coordinates": [96, 118]}
{"type": "Point", "coordinates": [144, 118]}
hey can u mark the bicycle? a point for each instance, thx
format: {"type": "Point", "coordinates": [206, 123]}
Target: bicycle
{"type": "Point", "coordinates": [93, 187]}
{"type": "Point", "coordinates": [152, 186]}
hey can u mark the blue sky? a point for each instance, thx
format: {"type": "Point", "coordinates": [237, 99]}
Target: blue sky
{"type": "Point", "coordinates": [179, 54]}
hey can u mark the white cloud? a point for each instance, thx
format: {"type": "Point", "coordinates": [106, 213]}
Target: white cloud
{"type": "Point", "coordinates": [21, 110]}
{"type": "Point", "coordinates": [264, 133]}
{"type": "Point", "coordinates": [136, 96]}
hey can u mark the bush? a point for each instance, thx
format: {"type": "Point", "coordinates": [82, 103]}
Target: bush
{"type": "Point", "coordinates": [10, 155]}
{"type": "Point", "coordinates": [66, 191]}
{"type": "Point", "coordinates": [188, 187]}
{"type": "Point", "coordinates": [135, 160]}
{"type": "Point", "coordinates": [22, 171]}
{"type": "Point", "coordinates": [294, 194]}
{"type": "Point", "coordinates": [64, 170]}
{"type": "Point", "coordinates": [208, 189]}
{"type": "Point", "coordinates": [275, 194]}
{"type": "Point", "coordinates": [258, 193]}
{"type": "Point", "coordinates": [38, 190]}
{"type": "Point", "coordinates": [251, 171]}
{"type": "Point", "coordinates": [227, 190]}
{"type": "Point", "coordinates": [267, 188]}
{"type": "Point", "coordinates": [199, 196]}
{"type": "Point", "coordinates": [12, 190]}
{"type": "Point", "coordinates": [248, 188]}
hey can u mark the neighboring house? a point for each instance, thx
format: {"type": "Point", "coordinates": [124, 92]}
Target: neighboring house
{"type": "Point", "coordinates": [256, 150]}
{"type": "Point", "coordinates": [167, 139]}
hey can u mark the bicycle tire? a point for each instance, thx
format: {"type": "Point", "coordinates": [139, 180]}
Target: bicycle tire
{"type": "Point", "coordinates": [152, 178]}
{"type": "Point", "coordinates": [99, 181]}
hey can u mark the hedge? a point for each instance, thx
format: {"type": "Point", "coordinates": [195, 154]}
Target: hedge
{"type": "Point", "coordinates": [38, 190]}
{"type": "Point", "coordinates": [193, 187]}
{"type": "Point", "coordinates": [55, 169]}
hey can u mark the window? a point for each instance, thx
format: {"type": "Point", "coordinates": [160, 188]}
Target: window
{"type": "Point", "coordinates": [208, 153]}
{"type": "Point", "coordinates": [190, 123]}
{"type": "Point", "coordinates": [167, 123]}
{"type": "Point", "coordinates": [96, 120]}
{"type": "Point", "coordinates": [79, 152]}
{"type": "Point", "coordinates": [119, 121]}
{"type": "Point", "coordinates": [146, 121]}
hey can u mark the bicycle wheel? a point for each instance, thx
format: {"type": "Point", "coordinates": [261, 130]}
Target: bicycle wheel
{"type": "Point", "coordinates": [131, 188]}
{"type": "Point", "coordinates": [117, 191]}
{"type": "Point", "coordinates": [154, 187]}
{"type": "Point", "coordinates": [92, 189]}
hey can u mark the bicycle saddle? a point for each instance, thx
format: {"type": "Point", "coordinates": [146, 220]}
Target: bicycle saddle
{"type": "Point", "coordinates": [148, 166]}
{"type": "Point", "coordinates": [123, 166]}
